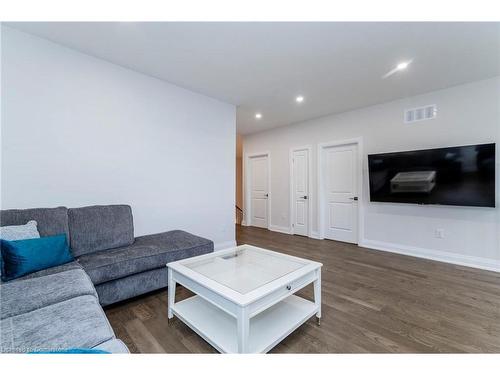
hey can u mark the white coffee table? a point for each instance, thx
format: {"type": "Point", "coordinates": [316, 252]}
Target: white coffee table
{"type": "Point", "coordinates": [244, 300]}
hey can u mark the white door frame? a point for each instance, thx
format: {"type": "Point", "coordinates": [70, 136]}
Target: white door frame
{"type": "Point", "coordinates": [310, 188]}
{"type": "Point", "coordinates": [247, 199]}
{"type": "Point", "coordinates": [321, 199]}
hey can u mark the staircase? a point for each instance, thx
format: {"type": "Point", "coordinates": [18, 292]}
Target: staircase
{"type": "Point", "coordinates": [238, 215]}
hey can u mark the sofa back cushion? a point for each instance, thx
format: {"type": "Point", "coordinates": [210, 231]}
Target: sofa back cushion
{"type": "Point", "coordinates": [50, 221]}
{"type": "Point", "coordinates": [95, 228]}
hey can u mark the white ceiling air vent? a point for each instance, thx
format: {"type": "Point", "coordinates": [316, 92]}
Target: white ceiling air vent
{"type": "Point", "coordinates": [427, 112]}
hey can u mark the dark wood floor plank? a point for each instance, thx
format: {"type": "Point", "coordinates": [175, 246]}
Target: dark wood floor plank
{"type": "Point", "coordinates": [373, 301]}
{"type": "Point", "coordinates": [143, 338]}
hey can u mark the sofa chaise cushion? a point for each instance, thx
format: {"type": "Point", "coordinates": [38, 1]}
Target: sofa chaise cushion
{"type": "Point", "coordinates": [75, 323]}
{"type": "Point", "coordinates": [20, 297]}
{"type": "Point", "coordinates": [181, 243]}
{"type": "Point", "coordinates": [146, 253]}
{"type": "Point", "coordinates": [106, 265]}
{"type": "Point", "coordinates": [132, 286]}
{"type": "Point", "coordinates": [96, 228]}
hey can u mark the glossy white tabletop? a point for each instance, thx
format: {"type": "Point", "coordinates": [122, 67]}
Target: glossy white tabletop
{"type": "Point", "coordinates": [244, 269]}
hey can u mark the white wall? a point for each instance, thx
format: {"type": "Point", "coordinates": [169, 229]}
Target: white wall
{"type": "Point", "coordinates": [77, 131]}
{"type": "Point", "coordinates": [467, 114]}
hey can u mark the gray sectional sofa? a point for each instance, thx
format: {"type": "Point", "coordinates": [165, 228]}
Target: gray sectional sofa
{"type": "Point", "coordinates": [60, 307]}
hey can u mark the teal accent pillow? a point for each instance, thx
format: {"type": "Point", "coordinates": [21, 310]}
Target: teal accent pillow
{"type": "Point", "coordinates": [21, 257]}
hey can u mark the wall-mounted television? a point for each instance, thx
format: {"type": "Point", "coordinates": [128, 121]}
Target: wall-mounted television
{"type": "Point", "coordinates": [457, 176]}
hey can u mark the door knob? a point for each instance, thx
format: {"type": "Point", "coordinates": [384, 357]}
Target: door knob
{"type": "Point", "coordinates": [354, 198]}
{"type": "Point", "coordinates": [267, 195]}
{"type": "Point", "coordinates": [304, 197]}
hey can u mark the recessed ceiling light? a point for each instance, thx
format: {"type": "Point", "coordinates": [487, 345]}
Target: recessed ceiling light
{"type": "Point", "coordinates": [299, 99]}
{"type": "Point", "coordinates": [258, 116]}
{"type": "Point", "coordinates": [399, 67]}
{"type": "Point", "coordinates": [402, 65]}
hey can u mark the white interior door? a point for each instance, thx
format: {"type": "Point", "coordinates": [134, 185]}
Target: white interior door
{"type": "Point", "coordinates": [340, 199]}
{"type": "Point", "coordinates": [259, 191]}
{"type": "Point", "coordinates": [300, 192]}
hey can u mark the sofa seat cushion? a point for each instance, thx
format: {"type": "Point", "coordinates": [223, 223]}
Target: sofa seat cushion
{"type": "Point", "coordinates": [146, 253]}
{"type": "Point", "coordinates": [20, 297]}
{"type": "Point", "coordinates": [96, 228]}
{"type": "Point", "coordinates": [52, 270]}
{"type": "Point", "coordinates": [76, 323]}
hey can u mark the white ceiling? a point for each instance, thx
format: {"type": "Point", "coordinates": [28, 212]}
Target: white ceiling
{"type": "Point", "coordinates": [261, 67]}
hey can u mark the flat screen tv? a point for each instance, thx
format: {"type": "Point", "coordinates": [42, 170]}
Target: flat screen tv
{"type": "Point", "coordinates": [457, 176]}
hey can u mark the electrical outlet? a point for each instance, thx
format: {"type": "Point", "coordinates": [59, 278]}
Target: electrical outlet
{"type": "Point", "coordinates": [439, 233]}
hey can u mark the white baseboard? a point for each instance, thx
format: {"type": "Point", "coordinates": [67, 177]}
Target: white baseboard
{"type": "Point", "coordinates": [287, 230]}
{"type": "Point", "coordinates": [437, 255]}
{"type": "Point", "coordinates": [314, 235]}
{"type": "Point", "coordinates": [224, 245]}
{"type": "Point", "coordinates": [276, 228]}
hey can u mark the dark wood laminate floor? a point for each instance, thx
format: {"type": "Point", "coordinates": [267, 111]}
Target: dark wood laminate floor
{"type": "Point", "coordinates": [373, 301]}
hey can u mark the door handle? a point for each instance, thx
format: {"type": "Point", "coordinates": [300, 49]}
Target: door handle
{"type": "Point", "coordinates": [354, 198]}
{"type": "Point", "coordinates": [266, 195]}
{"type": "Point", "coordinates": [304, 197]}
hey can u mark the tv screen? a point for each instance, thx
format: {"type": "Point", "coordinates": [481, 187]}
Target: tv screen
{"type": "Point", "coordinates": [458, 176]}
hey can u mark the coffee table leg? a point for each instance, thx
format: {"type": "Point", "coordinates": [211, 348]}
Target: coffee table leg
{"type": "Point", "coordinates": [317, 295]}
{"type": "Point", "coordinates": [171, 294]}
{"type": "Point", "coordinates": [243, 329]}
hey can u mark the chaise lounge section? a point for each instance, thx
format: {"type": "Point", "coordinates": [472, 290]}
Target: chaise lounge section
{"type": "Point", "coordinates": [60, 307]}
{"type": "Point", "coordinates": [119, 265]}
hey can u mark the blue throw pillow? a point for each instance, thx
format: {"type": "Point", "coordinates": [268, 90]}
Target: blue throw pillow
{"type": "Point", "coordinates": [21, 257]}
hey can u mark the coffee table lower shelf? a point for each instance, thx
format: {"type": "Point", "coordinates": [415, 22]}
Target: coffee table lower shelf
{"type": "Point", "coordinates": [267, 329]}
